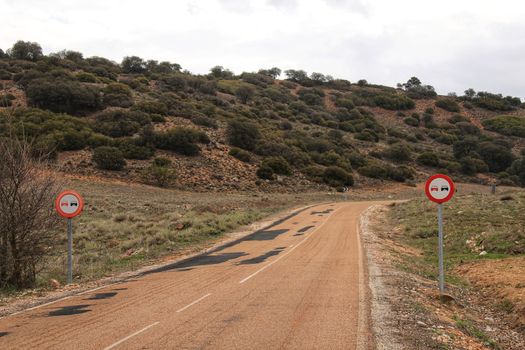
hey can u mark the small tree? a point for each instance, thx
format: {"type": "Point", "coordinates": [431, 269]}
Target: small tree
{"type": "Point", "coordinates": [160, 172]}
{"type": "Point", "coordinates": [133, 64]}
{"type": "Point", "coordinates": [25, 50]}
{"type": "Point", "coordinates": [245, 93]}
{"type": "Point", "coordinates": [27, 217]}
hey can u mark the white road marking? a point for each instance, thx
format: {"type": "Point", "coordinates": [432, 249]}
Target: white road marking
{"type": "Point", "coordinates": [131, 336]}
{"type": "Point", "coordinates": [195, 302]}
{"type": "Point", "coordinates": [288, 252]}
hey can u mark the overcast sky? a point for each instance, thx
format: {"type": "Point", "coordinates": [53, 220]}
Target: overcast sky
{"type": "Point", "coordinates": [450, 44]}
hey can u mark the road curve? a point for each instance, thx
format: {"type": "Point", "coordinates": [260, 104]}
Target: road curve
{"type": "Point", "coordinates": [299, 284]}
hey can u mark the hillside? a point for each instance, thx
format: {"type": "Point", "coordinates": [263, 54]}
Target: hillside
{"type": "Point", "coordinates": [151, 122]}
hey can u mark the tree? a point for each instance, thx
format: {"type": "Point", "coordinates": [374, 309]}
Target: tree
{"type": "Point", "coordinates": [68, 55]}
{"type": "Point", "coordinates": [362, 82]}
{"type": "Point", "coordinates": [318, 78]}
{"type": "Point", "coordinates": [2, 54]}
{"type": "Point", "coordinates": [245, 93]}
{"type": "Point", "coordinates": [27, 219]}
{"type": "Point", "coordinates": [218, 72]}
{"type": "Point", "coordinates": [272, 72]}
{"type": "Point", "coordinates": [25, 50]}
{"type": "Point", "coordinates": [297, 76]}
{"type": "Point", "coordinates": [133, 64]}
{"type": "Point", "coordinates": [470, 93]}
{"type": "Point", "coordinates": [497, 157]}
{"type": "Point", "coordinates": [160, 172]}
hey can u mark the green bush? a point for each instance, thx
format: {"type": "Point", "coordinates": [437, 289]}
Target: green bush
{"type": "Point", "coordinates": [131, 149]}
{"type": "Point", "coordinates": [160, 172]}
{"type": "Point", "coordinates": [428, 158]}
{"type": "Point", "coordinates": [63, 96]}
{"type": "Point", "coordinates": [279, 165]}
{"type": "Point", "coordinates": [205, 121]}
{"type": "Point", "coordinates": [151, 107]}
{"type": "Point", "coordinates": [120, 122]}
{"type": "Point", "coordinates": [108, 158]}
{"type": "Point", "coordinates": [265, 172]}
{"type": "Point", "coordinates": [181, 140]}
{"type": "Point", "coordinates": [243, 134]}
{"type": "Point", "coordinates": [467, 128]}
{"type": "Point", "coordinates": [456, 118]}
{"type": "Point", "coordinates": [367, 135]}
{"type": "Point", "coordinates": [374, 171]}
{"type": "Point", "coordinates": [117, 95]}
{"type": "Point", "coordinates": [497, 157]}
{"type": "Point", "coordinates": [97, 140]}
{"type": "Point", "coordinates": [6, 100]}
{"type": "Point", "coordinates": [399, 152]}
{"type": "Point", "coordinates": [506, 125]}
{"type": "Point", "coordinates": [411, 121]}
{"type": "Point", "coordinates": [472, 166]}
{"type": "Point", "coordinates": [335, 176]}
{"type": "Point", "coordinates": [86, 77]}
{"type": "Point", "coordinates": [448, 105]}
{"type": "Point", "coordinates": [240, 154]}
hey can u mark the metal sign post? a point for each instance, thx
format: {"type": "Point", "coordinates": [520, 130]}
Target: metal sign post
{"type": "Point", "coordinates": [69, 251]}
{"type": "Point", "coordinates": [440, 189]}
{"type": "Point", "coordinates": [68, 205]}
{"type": "Point", "coordinates": [440, 229]}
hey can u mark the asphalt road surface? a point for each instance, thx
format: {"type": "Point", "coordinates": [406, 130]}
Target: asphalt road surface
{"type": "Point", "coordinates": [299, 284]}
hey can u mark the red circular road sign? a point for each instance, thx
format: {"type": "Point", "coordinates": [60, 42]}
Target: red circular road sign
{"type": "Point", "coordinates": [440, 188]}
{"type": "Point", "coordinates": [69, 204]}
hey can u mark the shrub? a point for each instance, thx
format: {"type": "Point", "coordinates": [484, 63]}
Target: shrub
{"type": "Point", "coordinates": [120, 122]}
{"type": "Point", "coordinates": [448, 105]}
{"type": "Point", "coordinates": [86, 77]}
{"type": "Point", "coordinates": [465, 147]}
{"type": "Point", "coordinates": [265, 172]}
{"type": "Point", "coordinates": [367, 135]}
{"type": "Point", "coordinates": [97, 140]}
{"type": "Point", "coordinates": [467, 128]}
{"type": "Point", "coordinates": [456, 118]}
{"type": "Point", "coordinates": [205, 121]}
{"type": "Point", "coordinates": [506, 125]}
{"type": "Point", "coordinates": [160, 172]}
{"type": "Point", "coordinates": [243, 134]}
{"type": "Point", "coordinates": [497, 157]}
{"type": "Point", "coordinates": [132, 150]}
{"type": "Point", "coordinates": [6, 100]}
{"type": "Point", "coordinates": [117, 95]}
{"type": "Point", "coordinates": [279, 165]}
{"type": "Point", "coordinates": [240, 154]}
{"type": "Point", "coordinates": [428, 159]}
{"type": "Point", "coordinates": [335, 176]}
{"type": "Point", "coordinates": [472, 166]}
{"type": "Point", "coordinates": [108, 158]}
{"type": "Point", "coordinates": [374, 171]}
{"type": "Point", "coordinates": [411, 121]}
{"type": "Point", "coordinates": [345, 102]}
{"type": "Point", "coordinates": [399, 152]}
{"type": "Point", "coordinates": [63, 96]}
{"type": "Point", "coordinates": [181, 140]}
{"type": "Point", "coordinates": [400, 173]}
{"type": "Point", "coordinates": [244, 93]}
{"type": "Point", "coordinates": [151, 107]}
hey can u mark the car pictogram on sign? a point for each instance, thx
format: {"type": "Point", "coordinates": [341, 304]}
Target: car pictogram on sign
{"type": "Point", "coordinates": [434, 189]}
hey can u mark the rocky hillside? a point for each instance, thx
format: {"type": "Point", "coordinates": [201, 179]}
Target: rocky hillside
{"type": "Point", "coordinates": [153, 122]}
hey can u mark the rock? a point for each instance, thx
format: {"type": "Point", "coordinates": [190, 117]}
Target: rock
{"type": "Point", "coordinates": [54, 283]}
{"type": "Point", "coordinates": [483, 253]}
{"type": "Point", "coordinates": [422, 324]}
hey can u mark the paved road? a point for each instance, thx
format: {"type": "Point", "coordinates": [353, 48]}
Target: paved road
{"type": "Point", "coordinates": [299, 284]}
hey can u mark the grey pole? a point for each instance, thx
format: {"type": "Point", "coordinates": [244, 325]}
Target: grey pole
{"type": "Point", "coordinates": [69, 251]}
{"type": "Point", "coordinates": [441, 270]}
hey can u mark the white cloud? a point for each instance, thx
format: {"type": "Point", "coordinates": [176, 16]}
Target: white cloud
{"type": "Point", "coordinates": [452, 45]}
